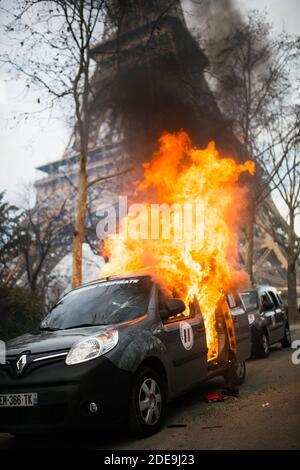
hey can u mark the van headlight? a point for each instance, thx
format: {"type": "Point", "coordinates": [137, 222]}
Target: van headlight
{"type": "Point", "coordinates": [251, 318]}
{"type": "Point", "coordinates": [92, 347]}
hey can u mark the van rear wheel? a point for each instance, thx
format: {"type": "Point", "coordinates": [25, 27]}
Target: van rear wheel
{"type": "Point", "coordinates": [147, 403]}
{"type": "Point", "coordinates": [235, 373]}
{"type": "Point", "coordinates": [287, 339]}
{"type": "Point", "coordinates": [262, 349]}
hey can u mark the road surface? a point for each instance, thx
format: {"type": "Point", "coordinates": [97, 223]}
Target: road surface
{"type": "Point", "coordinates": [266, 416]}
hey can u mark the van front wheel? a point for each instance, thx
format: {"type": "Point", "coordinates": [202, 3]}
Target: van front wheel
{"type": "Point", "coordinates": [147, 403]}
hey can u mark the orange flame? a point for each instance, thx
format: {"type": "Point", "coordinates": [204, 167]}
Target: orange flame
{"type": "Point", "coordinates": [187, 263]}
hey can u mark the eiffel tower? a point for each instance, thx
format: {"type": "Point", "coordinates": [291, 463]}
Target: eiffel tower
{"type": "Point", "coordinates": [149, 78]}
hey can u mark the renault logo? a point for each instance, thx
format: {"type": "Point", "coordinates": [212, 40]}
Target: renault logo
{"type": "Point", "coordinates": [21, 363]}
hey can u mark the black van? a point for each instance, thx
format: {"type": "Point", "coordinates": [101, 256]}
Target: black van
{"type": "Point", "coordinates": [267, 319]}
{"type": "Point", "coordinates": [114, 351]}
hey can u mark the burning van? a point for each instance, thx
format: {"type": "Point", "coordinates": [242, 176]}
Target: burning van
{"type": "Point", "coordinates": [115, 351]}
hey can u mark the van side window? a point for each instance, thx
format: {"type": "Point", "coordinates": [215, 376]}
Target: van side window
{"type": "Point", "coordinates": [231, 301]}
{"type": "Point", "coordinates": [249, 300]}
{"type": "Point", "coordinates": [238, 301]}
{"type": "Point", "coordinates": [274, 298]}
{"type": "Point", "coordinates": [190, 311]}
{"type": "Point", "coordinates": [265, 299]}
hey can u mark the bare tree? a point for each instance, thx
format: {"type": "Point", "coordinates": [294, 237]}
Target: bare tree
{"type": "Point", "coordinates": [52, 42]}
{"type": "Point", "coordinates": [33, 239]}
{"type": "Point", "coordinates": [250, 73]}
{"type": "Point", "coordinates": [9, 232]}
{"type": "Point", "coordinates": [45, 233]}
{"type": "Point", "coordinates": [284, 183]}
{"type": "Point", "coordinates": [56, 39]}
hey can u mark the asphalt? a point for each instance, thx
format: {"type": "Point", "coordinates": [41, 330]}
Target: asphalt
{"type": "Point", "coordinates": [265, 416]}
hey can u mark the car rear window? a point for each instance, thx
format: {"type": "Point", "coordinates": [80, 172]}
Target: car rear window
{"type": "Point", "coordinates": [104, 303]}
{"type": "Point", "coordinates": [250, 300]}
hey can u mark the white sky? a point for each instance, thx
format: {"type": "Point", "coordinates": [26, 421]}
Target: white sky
{"type": "Point", "coordinates": [41, 139]}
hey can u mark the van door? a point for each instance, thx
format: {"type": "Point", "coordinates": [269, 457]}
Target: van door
{"type": "Point", "coordinates": [241, 327]}
{"type": "Point", "coordinates": [185, 340]}
{"type": "Point", "coordinates": [279, 317]}
{"type": "Point", "coordinates": [268, 315]}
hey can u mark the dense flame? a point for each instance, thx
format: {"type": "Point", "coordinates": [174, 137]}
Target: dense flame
{"type": "Point", "coordinates": [187, 262]}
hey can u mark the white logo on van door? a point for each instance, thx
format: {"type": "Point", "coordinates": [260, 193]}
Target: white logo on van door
{"type": "Point", "coordinates": [186, 335]}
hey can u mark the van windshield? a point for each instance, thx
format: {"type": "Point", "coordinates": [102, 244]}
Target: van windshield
{"type": "Point", "coordinates": [104, 303]}
{"type": "Point", "coordinates": [250, 300]}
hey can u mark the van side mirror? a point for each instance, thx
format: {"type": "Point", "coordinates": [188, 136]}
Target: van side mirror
{"type": "Point", "coordinates": [175, 306]}
{"type": "Point", "coordinates": [171, 307]}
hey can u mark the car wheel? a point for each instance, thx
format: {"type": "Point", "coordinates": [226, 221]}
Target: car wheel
{"type": "Point", "coordinates": [235, 373]}
{"type": "Point", "coordinates": [147, 403]}
{"type": "Point", "coordinates": [262, 347]}
{"type": "Point", "coordinates": [287, 339]}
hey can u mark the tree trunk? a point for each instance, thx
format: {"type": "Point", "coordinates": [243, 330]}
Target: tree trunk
{"type": "Point", "coordinates": [292, 293]}
{"type": "Point", "coordinates": [79, 223]}
{"type": "Point", "coordinates": [249, 247]}
{"type": "Point", "coordinates": [292, 273]}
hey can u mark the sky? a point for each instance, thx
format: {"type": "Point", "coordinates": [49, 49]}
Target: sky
{"type": "Point", "coordinates": [40, 139]}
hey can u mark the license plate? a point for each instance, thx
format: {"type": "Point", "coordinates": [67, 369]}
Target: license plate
{"type": "Point", "coordinates": [18, 399]}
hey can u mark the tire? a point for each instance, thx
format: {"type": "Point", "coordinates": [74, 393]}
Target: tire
{"type": "Point", "coordinates": [235, 373]}
{"type": "Point", "coordinates": [262, 348]}
{"type": "Point", "coordinates": [147, 403]}
{"type": "Point", "coordinates": [287, 339]}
